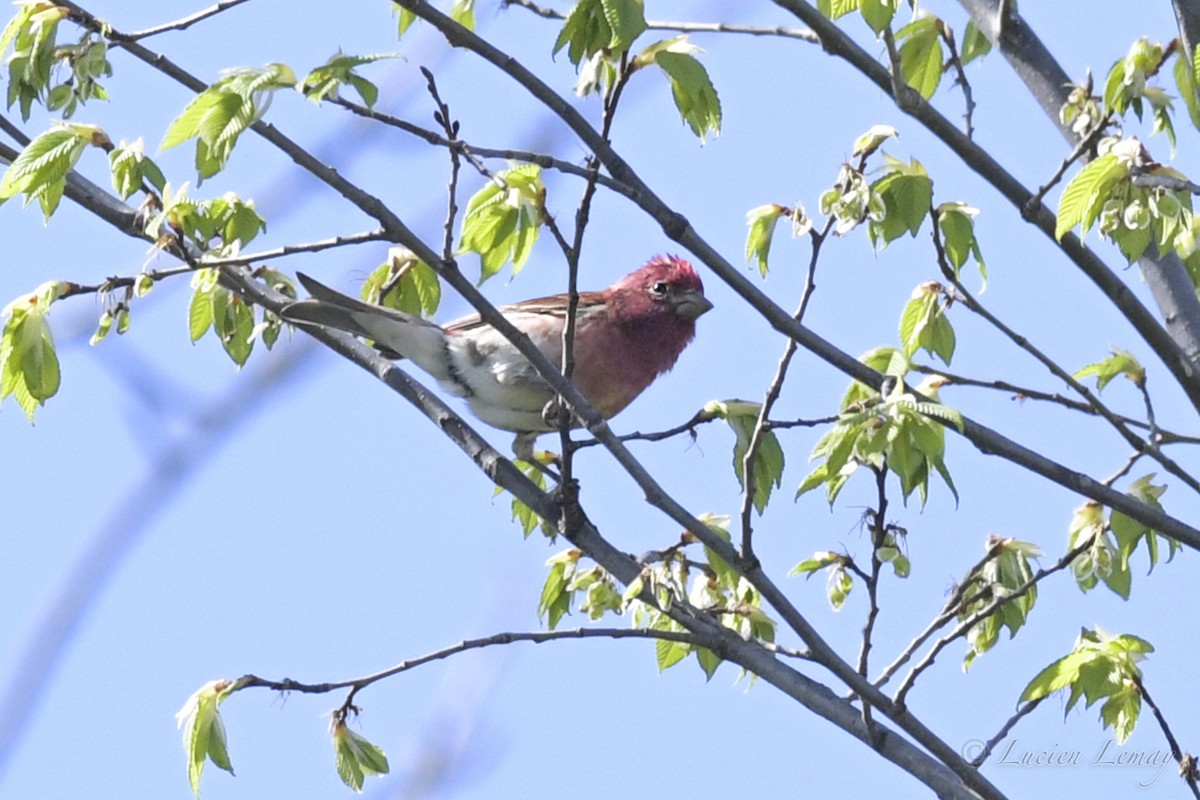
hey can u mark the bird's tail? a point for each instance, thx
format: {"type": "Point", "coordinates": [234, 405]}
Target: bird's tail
{"type": "Point", "coordinates": [421, 341]}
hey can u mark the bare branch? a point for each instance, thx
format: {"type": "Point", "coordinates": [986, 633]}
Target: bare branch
{"type": "Point", "coordinates": [181, 24]}
{"type": "Point", "coordinates": [540, 159]}
{"type": "Point", "coordinates": [1187, 763]}
{"type": "Point", "coordinates": [1005, 729]}
{"type": "Point", "coordinates": [803, 34]}
{"type": "Point", "coordinates": [773, 391]}
{"type": "Point", "coordinates": [536, 637]}
{"type": "Point", "coordinates": [347, 240]}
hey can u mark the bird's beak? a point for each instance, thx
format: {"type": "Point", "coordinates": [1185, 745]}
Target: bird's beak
{"type": "Point", "coordinates": [689, 305]}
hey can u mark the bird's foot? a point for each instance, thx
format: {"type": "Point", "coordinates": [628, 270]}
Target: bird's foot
{"type": "Point", "coordinates": [557, 415]}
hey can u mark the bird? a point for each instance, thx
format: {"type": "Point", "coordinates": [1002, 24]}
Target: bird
{"type": "Point", "coordinates": [625, 337]}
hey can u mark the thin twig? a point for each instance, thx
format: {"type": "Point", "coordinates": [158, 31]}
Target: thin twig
{"type": "Point", "coordinates": [540, 159]}
{"type": "Point", "coordinates": [878, 530]}
{"type": "Point", "coordinates": [441, 115]}
{"type": "Point", "coordinates": [179, 24]}
{"type": "Point", "coordinates": [965, 625]}
{"type": "Point", "coordinates": [949, 610]}
{"type": "Point", "coordinates": [961, 80]}
{"type": "Point", "coordinates": [699, 418]}
{"type": "Point", "coordinates": [773, 391]}
{"type": "Point", "coordinates": [803, 34]}
{"type": "Point", "coordinates": [1085, 144]}
{"type": "Point", "coordinates": [1186, 763]}
{"type": "Point", "coordinates": [537, 637]}
{"type": "Point", "coordinates": [377, 235]}
{"type": "Point", "coordinates": [1007, 727]}
{"type": "Point", "coordinates": [1025, 393]}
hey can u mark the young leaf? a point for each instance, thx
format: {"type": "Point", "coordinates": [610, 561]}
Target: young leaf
{"type": "Point", "coordinates": [40, 171]}
{"type": "Point", "coordinates": [693, 91]}
{"type": "Point", "coordinates": [768, 462]}
{"type": "Point", "coordinates": [1085, 195]}
{"type": "Point", "coordinates": [203, 731]}
{"type": "Point", "coordinates": [878, 14]}
{"type": "Point", "coordinates": [463, 12]}
{"type": "Point", "coordinates": [956, 221]}
{"type": "Point", "coordinates": [1007, 571]}
{"type": "Point", "coordinates": [555, 600]}
{"type": "Point", "coordinates": [1099, 667]}
{"type": "Point", "coordinates": [324, 81]}
{"type": "Point", "coordinates": [906, 191]}
{"type": "Point", "coordinates": [669, 653]}
{"type": "Point", "coordinates": [921, 55]}
{"type": "Point", "coordinates": [1121, 362]}
{"type": "Point", "coordinates": [131, 168]}
{"type": "Point", "coordinates": [627, 20]}
{"type": "Point", "coordinates": [29, 368]}
{"type": "Point", "coordinates": [974, 44]}
{"type": "Point", "coordinates": [356, 757]}
{"type": "Point", "coordinates": [762, 221]}
{"type": "Point", "coordinates": [585, 31]}
{"type": "Point", "coordinates": [404, 283]}
{"type": "Point", "coordinates": [502, 220]}
{"type": "Point", "coordinates": [873, 139]}
{"type": "Point", "coordinates": [218, 115]}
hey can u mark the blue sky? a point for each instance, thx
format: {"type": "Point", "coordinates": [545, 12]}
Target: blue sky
{"type": "Point", "coordinates": [331, 531]}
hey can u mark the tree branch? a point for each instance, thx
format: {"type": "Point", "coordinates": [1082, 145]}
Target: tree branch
{"type": "Point", "coordinates": [679, 229]}
{"type": "Point", "coordinates": [1177, 360]}
{"type": "Point", "coordinates": [1168, 278]}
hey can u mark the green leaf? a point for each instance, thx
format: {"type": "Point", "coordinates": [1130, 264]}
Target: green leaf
{"type": "Point", "coordinates": [586, 30]}
{"type": "Point", "coordinates": [907, 192]}
{"type": "Point", "coordinates": [873, 139]}
{"type": "Point", "coordinates": [627, 20]}
{"type": "Point", "coordinates": [131, 168]}
{"type": "Point", "coordinates": [203, 731]}
{"type": "Point", "coordinates": [1100, 667]}
{"type": "Point", "coordinates": [839, 586]}
{"type": "Point", "coordinates": [819, 561]}
{"type": "Point", "coordinates": [1085, 195]}
{"type": "Point", "coordinates": [768, 463]}
{"type": "Point", "coordinates": [693, 91]}
{"type": "Point", "coordinates": [522, 514]}
{"type": "Point", "coordinates": [956, 221]}
{"type": "Point", "coordinates": [709, 661]}
{"type": "Point", "coordinates": [324, 81]}
{"type": "Point", "coordinates": [29, 368]}
{"type": "Point", "coordinates": [406, 18]}
{"type": "Point", "coordinates": [200, 313]}
{"type": "Point", "coordinates": [762, 221]}
{"type": "Point", "coordinates": [669, 653]}
{"type": "Point", "coordinates": [40, 171]}
{"type": "Point", "coordinates": [356, 757]}
{"type": "Point", "coordinates": [1000, 576]}
{"type": "Point", "coordinates": [502, 220]}
{"type": "Point", "coordinates": [1121, 362]}
{"type": "Point", "coordinates": [218, 115]}
{"type": "Point", "coordinates": [878, 13]}
{"type": "Point", "coordinates": [974, 44]}
{"type": "Point", "coordinates": [463, 12]}
{"type": "Point", "coordinates": [555, 600]}
{"type": "Point", "coordinates": [921, 55]}
{"type": "Point", "coordinates": [405, 283]}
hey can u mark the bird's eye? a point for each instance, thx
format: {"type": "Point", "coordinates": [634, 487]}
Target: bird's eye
{"type": "Point", "coordinates": [659, 289]}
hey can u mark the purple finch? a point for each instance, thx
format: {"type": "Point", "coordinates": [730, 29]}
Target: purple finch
{"type": "Point", "coordinates": [625, 337]}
